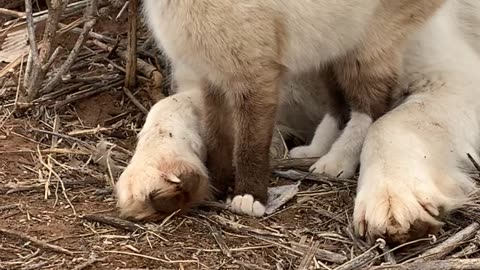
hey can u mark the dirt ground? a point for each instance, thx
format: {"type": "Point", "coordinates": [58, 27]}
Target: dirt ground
{"type": "Point", "coordinates": [59, 159]}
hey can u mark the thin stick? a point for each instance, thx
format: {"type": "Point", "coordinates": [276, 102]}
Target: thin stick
{"type": "Point", "coordinates": [292, 163]}
{"type": "Point", "coordinates": [135, 100]}
{"type": "Point", "coordinates": [88, 263]}
{"type": "Point", "coordinates": [217, 235]}
{"type": "Point", "coordinates": [8, 207]}
{"type": "Point", "coordinates": [33, 57]}
{"type": "Point", "coordinates": [114, 222]}
{"type": "Point", "coordinates": [149, 257]}
{"type": "Point", "coordinates": [359, 261]}
{"type": "Point", "coordinates": [307, 260]}
{"type": "Point", "coordinates": [447, 246]}
{"type": "Point", "coordinates": [322, 254]}
{"type": "Point", "coordinates": [474, 162]}
{"type": "Point", "coordinates": [453, 264]}
{"type": "Point", "coordinates": [143, 67]}
{"type": "Point", "coordinates": [36, 241]}
{"type": "Point", "coordinates": [131, 69]}
{"type": "Point", "coordinates": [76, 49]}
{"type": "Point", "coordinates": [52, 58]}
{"type": "Point", "coordinates": [49, 167]}
{"type": "Point", "coordinates": [240, 227]}
{"type": "Point", "coordinates": [12, 13]}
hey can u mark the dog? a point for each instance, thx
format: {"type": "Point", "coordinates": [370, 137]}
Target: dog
{"type": "Point", "coordinates": [238, 52]}
{"type": "Point", "coordinates": [413, 159]}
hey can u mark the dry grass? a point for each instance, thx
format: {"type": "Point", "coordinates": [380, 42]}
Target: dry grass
{"type": "Point", "coordinates": [60, 158]}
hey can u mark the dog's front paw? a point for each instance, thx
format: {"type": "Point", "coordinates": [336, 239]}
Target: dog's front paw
{"type": "Point", "coordinates": [247, 205]}
{"type": "Point", "coordinates": [148, 190]}
{"type": "Point", "coordinates": [305, 151]}
{"type": "Point", "coordinates": [336, 164]}
{"type": "Point", "coordinates": [398, 208]}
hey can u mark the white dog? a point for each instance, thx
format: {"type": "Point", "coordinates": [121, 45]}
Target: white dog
{"type": "Point", "coordinates": [413, 158]}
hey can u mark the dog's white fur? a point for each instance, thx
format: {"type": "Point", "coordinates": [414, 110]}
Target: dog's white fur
{"type": "Point", "coordinates": [413, 158]}
{"type": "Point", "coordinates": [244, 48]}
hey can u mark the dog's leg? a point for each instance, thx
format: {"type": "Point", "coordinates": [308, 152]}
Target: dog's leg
{"type": "Point", "coordinates": [220, 140]}
{"type": "Point", "coordinates": [254, 110]}
{"type": "Point", "coordinates": [167, 170]}
{"type": "Point", "coordinates": [367, 86]}
{"type": "Point", "coordinates": [411, 174]}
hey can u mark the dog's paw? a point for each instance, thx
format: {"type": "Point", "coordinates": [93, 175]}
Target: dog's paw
{"type": "Point", "coordinates": [399, 210]}
{"type": "Point", "coordinates": [247, 205]}
{"type": "Point", "coordinates": [147, 191]}
{"type": "Point", "coordinates": [336, 164]}
{"type": "Point", "coordinates": [305, 151]}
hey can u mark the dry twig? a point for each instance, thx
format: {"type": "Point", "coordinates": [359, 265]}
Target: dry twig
{"type": "Point", "coordinates": [114, 222]}
{"type": "Point", "coordinates": [292, 163]}
{"type": "Point", "coordinates": [36, 241]}
{"type": "Point", "coordinates": [143, 67]}
{"type": "Point", "coordinates": [453, 264]}
{"type": "Point", "coordinates": [305, 264]}
{"type": "Point", "coordinates": [217, 235]}
{"type": "Point", "coordinates": [131, 70]}
{"type": "Point", "coordinates": [447, 246]}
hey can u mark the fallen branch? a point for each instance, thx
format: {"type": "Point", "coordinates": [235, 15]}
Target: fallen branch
{"type": "Point", "coordinates": [89, 93]}
{"type": "Point", "coordinates": [237, 227]}
{"type": "Point", "coordinates": [322, 254]}
{"type": "Point", "coordinates": [219, 239]}
{"type": "Point", "coordinates": [87, 27]}
{"type": "Point", "coordinates": [8, 207]}
{"type": "Point", "coordinates": [299, 175]}
{"type": "Point", "coordinates": [143, 67]}
{"type": "Point", "coordinates": [278, 196]}
{"type": "Point", "coordinates": [453, 264]}
{"type": "Point", "coordinates": [447, 246]}
{"type": "Point", "coordinates": [131, 70]}
{"type": "Point", "coordinates": [472, 248]}
{"type": "Point", "coordinates": [89, 263]}
{"type": "Point", "coordinates": [135, 100]}
{"type": "Point", "coordinates": [292, 163]}
{"type": "Point", "coordinates": [114, 222]}
{"type": "Point", "coordinates": [36, 241]}
{"type": "Point", "coordinates": [307, 260]}
{"type": "Point", "coordinates": [367, 257]}
{"type": "Point", "coordinates": [11, 13]}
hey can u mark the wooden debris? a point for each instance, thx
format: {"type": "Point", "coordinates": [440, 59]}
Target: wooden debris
{"type": "Point", "coordinates": [300, 175]}
{"type": "Point", "coordinates": [143, 67]}
{"type": "Point", "coordinates": [131, 69]}
{"type": "Point", "coordinates": [453, 264]}
{"type": "Point", "coordinates": [278, 196]}
{"type": "Point", "coordinates": [36, 242]}
{"type": "Point", "coordinates": [447, 246]}
{"type": "Point", "coordinates": [114, 222]}
{"type": "Point", "coordinates": [87, 27]}
{"type": "Point", "coordinates": [365, 258]}
{"type": "Point", "coordinates": [322, 254]}
{"type": "Point", "coordinates": [292, 163]}
{"type": "Point", "coordinates": [135, 100]}
{"type": "Point", "coordinates": [306, 261]}
{"type": "Point", "coordinates": [8, 207]}
{"type": "Point", "coordinates": [217, 235]}
{"type": "Point", "coordinates": [89, 263]}
{"type": "Point", "coordinates": [472, 248]}
{"type": "Point", "coordinates": [237, 227]}
{"type": "Point", "coordinates": [11, 13]}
